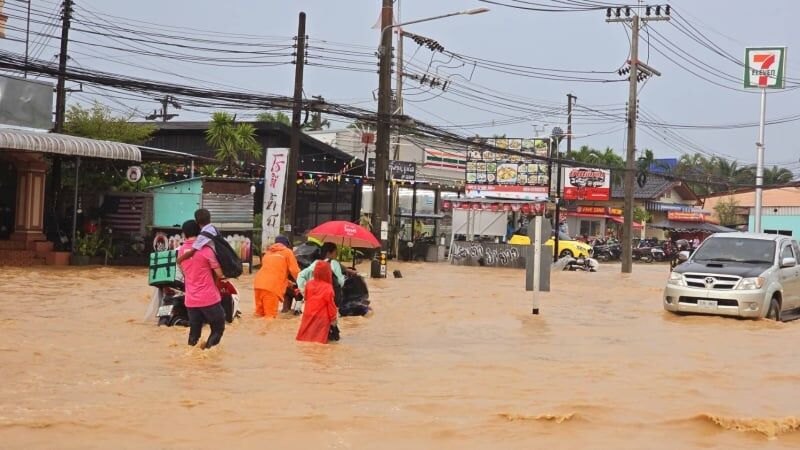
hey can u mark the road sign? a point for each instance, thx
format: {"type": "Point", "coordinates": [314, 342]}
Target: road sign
{"type": "Point", "coordinates": [764, 67]}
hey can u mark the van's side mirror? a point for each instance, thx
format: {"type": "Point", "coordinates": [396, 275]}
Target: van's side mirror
{"type": "Point", "coordinates": [683, 256]}
{"type": "Point", "coordinates": [788, 262]}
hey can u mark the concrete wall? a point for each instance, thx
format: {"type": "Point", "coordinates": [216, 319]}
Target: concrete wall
{"type": "Point", "coordinates": [778, 223]}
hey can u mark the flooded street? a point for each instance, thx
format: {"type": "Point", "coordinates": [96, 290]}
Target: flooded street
{"type": "Point", "coordinates": [451, 358]}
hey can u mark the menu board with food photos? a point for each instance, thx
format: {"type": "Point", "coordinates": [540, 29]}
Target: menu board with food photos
{"type": "Point", "coordinates": [497, 168]}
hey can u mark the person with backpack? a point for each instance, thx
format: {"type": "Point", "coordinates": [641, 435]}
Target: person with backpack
{"type": "Point", "coordinates": [203, 299]}
{"type": "Point", "coordinates": [278, 264]}
{"type": "Point", "coordinates": [209, 236]}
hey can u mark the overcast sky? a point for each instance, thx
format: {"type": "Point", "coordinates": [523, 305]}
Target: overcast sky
{"type": "Point", "coordinates": [575, 41]}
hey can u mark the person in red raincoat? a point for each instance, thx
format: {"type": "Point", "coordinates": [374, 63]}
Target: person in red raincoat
{"type": "Point", "coordinates": [320, 310]}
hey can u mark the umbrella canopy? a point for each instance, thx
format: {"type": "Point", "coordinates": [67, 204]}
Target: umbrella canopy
{"type": "Point", "coordinates": [345, 233]}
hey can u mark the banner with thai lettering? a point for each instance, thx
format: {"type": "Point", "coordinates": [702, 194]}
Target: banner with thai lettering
{"type": "Point", "coordinates": [582, 183]}
{"type": "Point", "coordinates": [525, 208]}
{"type": "Point", "coordinates": [274, 185]}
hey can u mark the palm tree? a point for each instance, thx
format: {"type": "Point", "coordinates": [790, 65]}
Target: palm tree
{"type": "Point", "coordinates": [235, 143]}
{"type": "Point", "coordinates": [279, 117]}
{"type": "Point", "coordinates": [777, 175]}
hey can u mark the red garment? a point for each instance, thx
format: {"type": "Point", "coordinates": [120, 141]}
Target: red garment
{"type": "Point", "coordinates": [320, 310]}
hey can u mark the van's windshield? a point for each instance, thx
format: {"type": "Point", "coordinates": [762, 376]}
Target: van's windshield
{"type": "Point", "coordinates": [741, 250]}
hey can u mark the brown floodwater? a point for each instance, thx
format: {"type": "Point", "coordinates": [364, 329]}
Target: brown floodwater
{"type": "Point", "coordinates": [451, 358]}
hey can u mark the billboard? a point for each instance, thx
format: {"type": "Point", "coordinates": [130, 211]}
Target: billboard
{"type": "Point", "coordinates": [581, 183]}
{"type": "Point", "coordinates": [765, 67]}
{"type": "Point", "coordinates": [26, 103]}
{"type": "Point", "coordinates": [514, 176]}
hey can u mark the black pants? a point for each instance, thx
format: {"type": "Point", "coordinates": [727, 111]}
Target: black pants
{"type": "Point", "coordinates": [213, 315]}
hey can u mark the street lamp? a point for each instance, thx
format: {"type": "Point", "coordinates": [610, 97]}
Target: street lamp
{"type": "Point", "coordinates": [379, 200]}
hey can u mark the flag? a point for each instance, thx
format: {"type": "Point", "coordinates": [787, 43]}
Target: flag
{"type": "Point", "coordinates": [124, 214]}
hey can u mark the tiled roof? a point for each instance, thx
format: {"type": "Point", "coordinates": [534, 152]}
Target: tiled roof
{"type": "Point", "coordinates": [654, 188]}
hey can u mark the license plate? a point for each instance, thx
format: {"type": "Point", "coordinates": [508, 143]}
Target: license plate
{"type": "Point", "coordinates": [164, 311]}
{"type": "Point", "coordinates": [707, 304]}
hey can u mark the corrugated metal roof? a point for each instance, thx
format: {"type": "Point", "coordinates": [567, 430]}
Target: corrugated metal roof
{"type": "Point", "coordinates": [63, 144]}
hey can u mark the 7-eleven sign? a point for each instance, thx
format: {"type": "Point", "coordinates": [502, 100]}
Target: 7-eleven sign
{"type": "Point", "coordinates": [765, 67]}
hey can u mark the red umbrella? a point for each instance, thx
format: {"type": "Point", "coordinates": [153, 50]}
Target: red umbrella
{"type": "Point", "coordinates": [345, 233]}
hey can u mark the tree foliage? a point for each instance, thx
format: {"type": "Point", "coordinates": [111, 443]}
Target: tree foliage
{"type": "Point", "coordinates": [726, 211]}
{"type": "Point", "coordinates": [97, 122]}
{"type": "Point", "coordinates": [279, 117]}
{"type": "Point", "coordinates": [641, 215]}
{"type": "Point", "coordinates": [235, 143]}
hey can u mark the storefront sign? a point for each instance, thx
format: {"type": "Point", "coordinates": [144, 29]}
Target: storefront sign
{"type": "Point", "coordinates": [582, 183]}
{"type": "Point", "coordinates": [134, 174]}
{"type": "Point", "coordinates": [494, 206]}
{"type": "Point", "coordinates": [399, 170]}
{"type": "Point", "coordinates": [678, 216]}
{"type": "Point", "coordinates": [614, 211]}
{"type": "Point", "coordinates": [593, 210]}
{"type": "Point", "coordinates": [274, 183]}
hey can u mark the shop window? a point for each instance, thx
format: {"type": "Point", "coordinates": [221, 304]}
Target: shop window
{"type": "Point", "coordinates": [590, 228]}
{"type": "Point", "coordinates": [781, 232]}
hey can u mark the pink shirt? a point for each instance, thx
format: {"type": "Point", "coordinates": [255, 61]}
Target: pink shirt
{"type": "Point", "coordinates": [201, 288]}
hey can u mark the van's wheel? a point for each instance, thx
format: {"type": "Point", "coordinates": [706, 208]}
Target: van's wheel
{"type": "Point", "coordinates": [774, 311]}
{"type": "Point", "coordinates": [565, 253]}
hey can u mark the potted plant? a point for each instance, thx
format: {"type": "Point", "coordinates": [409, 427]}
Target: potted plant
{"type": "Point", "coordinates": [87, 248]}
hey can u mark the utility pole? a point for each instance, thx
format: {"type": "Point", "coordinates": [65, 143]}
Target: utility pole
{"type": "Point", "coordinates": [570, 101]}
{"type": "Point", "coordinates": [379, 215]}
{"type": "Point", "coordinates": [634, 77]}
{"type": "Point", "coordinates": [294, 142]}
{"type": "Point", "coordinates": [394, 191]}
{"type": "Point", "coordinates": [61, 92]}
{"type": "Point", "coordinates": [164, 114]}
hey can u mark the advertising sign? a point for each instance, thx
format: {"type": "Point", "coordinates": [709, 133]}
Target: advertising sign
{"type": "Point", "coordinates": [582, 183]}
{"type": "Point", "coordinates": [765, 67]}
{"type": "Point", "coordinates": [274, 183]}
{"type": "Point", "coordinates": [593, 210]}
{"type": "Point", "coordinates": [678, 216]}
{"type": "Point", "coordinates": [399, 170]}
{"type": "Point", "coordinates": [26, 103]}
{"type": "Point", "coordinates": [501, 175]}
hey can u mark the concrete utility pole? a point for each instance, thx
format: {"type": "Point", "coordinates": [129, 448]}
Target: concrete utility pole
{"type": "Point", "coordinates": [294, 142]}
{"type": "Point", "coordinates": [61, 92]}
{"type": "Point", "coordinates": [379, 210]}
{"type": "Point", "coordinates": [570, 101]}
{"type": "Point", "coordinates": [635, 67]}
{"type": "Point", "coordinates": [164, 115]}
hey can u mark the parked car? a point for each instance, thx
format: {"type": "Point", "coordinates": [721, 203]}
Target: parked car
{"type": "Point", "coordinates": [737, 274]}
{"type": "Point", "coordinates": [567, 246]}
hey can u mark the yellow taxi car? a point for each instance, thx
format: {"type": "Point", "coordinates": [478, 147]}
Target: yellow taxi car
{"type": "Point", "coordinates": [566, 245]}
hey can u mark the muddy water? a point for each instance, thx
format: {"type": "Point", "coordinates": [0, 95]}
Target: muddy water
{"type": "Point", "coordinates": [451, 359]}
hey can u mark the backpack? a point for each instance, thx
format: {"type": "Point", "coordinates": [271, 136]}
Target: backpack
{"type": "Point", "coordinates": [229, 261]}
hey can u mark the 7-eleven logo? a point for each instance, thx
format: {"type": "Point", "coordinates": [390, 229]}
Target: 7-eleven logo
{"type": "Point", "coordinates": [764, 67]}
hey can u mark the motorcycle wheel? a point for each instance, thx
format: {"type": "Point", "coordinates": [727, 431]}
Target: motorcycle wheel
{"type": "Point", "coordinates": [602, 258]}
{"type": "Point", "coordinates": [647, 258]}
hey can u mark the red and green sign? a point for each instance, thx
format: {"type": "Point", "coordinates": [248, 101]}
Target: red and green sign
{"type": "Point", "coordinates": [765, 67]}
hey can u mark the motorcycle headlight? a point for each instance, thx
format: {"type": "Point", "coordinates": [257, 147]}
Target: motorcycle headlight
{"type": "Point", "coordinates": [676, 279]}
{"type": "Point", "coordinates": [750, 283]}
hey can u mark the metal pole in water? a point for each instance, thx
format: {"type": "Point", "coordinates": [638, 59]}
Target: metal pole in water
{"type": "Point", "coordinates": [537, 258]}
{"type": "Point", "coordinates": [760, 162]}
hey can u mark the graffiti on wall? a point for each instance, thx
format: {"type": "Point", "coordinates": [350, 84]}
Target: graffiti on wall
{"type": "Point", "coordinates": [486, 254]}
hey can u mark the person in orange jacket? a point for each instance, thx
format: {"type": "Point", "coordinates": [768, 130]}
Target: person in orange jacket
{"type": "Point", "coordinates": [277, 265]}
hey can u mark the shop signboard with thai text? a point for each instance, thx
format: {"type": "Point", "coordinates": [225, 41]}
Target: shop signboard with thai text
{"type": "Point", "coordinates": [507, 168]}
{"type": "Point", "coordinates": [582, 183]}
{"type": "Point", "coordinates": [697, 217]}
{"type": "Point", "coordinates": [274, 185]}
{"type": "Point", "coordinates": [399, 170]}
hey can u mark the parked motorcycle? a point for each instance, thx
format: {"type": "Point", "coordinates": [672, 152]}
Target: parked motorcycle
{"type": "Point", "coordinates": [607, 250]}
{"type": "Point", "coordinates": [581, 264]}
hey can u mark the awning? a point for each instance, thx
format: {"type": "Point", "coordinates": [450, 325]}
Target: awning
{"type": "Point", "coordinates": [691, 227]}
{"type": "Point", "coordinates": [658, 206]}
{"type": "Point", "coordinates": [62, 144]}
{"type": "Point", "coordinates": [636, 225]}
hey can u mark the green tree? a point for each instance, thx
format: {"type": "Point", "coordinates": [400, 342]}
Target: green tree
{"type": "Point", "coordinates": [235, 143]}
{"type": "Point", "coordinates": [777, 175]}
{"type": "Point", "coordinates": [726, 211]}
{"type": "Point", "coordinates": [269, 117]}
{"type": "Point", "coordinates": [641, 215]}
{"type": "Point", "coordinates": [97, 122]}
